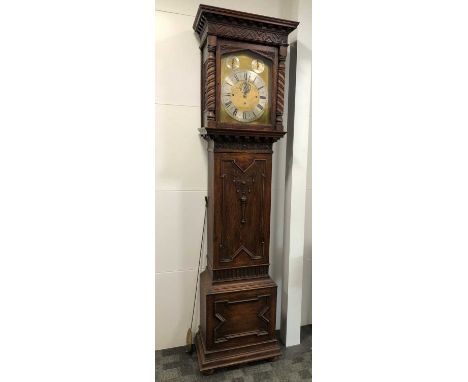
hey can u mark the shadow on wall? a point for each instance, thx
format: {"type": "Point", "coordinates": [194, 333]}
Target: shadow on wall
{"type": "Point", "coordinates": [291, 103]}
{"type": "Point", "coordinates": [278, 190]}
{"type": "Point", "coordinates": [300, 280]}
{"type": "Point", "coordinates": [288, 160]}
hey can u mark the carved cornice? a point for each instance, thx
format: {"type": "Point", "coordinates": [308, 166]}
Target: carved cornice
{"type": "Point", "coordinates": [241, 26]}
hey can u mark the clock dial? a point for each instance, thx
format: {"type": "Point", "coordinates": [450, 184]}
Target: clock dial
{"type": "Point", "coordinates": [244, 95]}
{"type": "Point", "coordinates": [245, 88]}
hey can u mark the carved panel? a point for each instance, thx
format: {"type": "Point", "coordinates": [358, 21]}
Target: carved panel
{"type": "Point", "coordinates": [242, 318]}
{"type": "Point", "coordinates": [242, 206]}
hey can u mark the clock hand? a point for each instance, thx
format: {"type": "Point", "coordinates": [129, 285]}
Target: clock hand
{"type": "Point", "coordinates": [245, 89]}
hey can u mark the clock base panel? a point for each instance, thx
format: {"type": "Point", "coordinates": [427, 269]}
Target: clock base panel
{"type": "Point", "coordinates": [237, 322]}
{"type": "Point", "coordinates": [210, 360]}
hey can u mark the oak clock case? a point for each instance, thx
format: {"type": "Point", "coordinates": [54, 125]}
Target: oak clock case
{"type": "Point", "coordinates": [242, 92]}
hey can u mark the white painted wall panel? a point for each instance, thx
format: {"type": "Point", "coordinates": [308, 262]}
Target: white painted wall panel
{"type": "Point", "coordinates": [174, 299]}
{"type": "Point", "coordinates": [179, 221]}
{"type": "Point", "coordinates": [306, 316]}
{"type": "Point", "coordinates": [177, 60]}
{"type": "Point", "coordinates": [273, 8]}
{"type": "Point", "coordinates": [296, 185]}
{"type": "Point", "coordinates": [181, 159]}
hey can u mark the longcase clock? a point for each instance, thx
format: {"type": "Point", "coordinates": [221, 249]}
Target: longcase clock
{"type": "Point", "coordinates": [242, 91]}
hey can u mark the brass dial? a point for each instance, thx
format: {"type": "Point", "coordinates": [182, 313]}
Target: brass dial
{"type": "Point", "coordinates": [244, 95]}
{"type": "Point", "coordinates": [245, 88]}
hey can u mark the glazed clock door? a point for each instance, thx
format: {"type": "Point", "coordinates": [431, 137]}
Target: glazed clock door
{"type": "Point", "coordinates": [246, 87]}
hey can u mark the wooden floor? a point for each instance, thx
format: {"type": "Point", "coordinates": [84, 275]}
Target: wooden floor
{"type": "Point", "coordinates": [295, 364]}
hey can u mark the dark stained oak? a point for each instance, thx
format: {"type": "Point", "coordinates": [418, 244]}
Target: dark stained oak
{"type": "Point", "coordinates": [237, 297]}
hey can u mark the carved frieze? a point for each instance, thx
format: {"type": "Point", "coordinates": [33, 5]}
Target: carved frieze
{"type": "Point", "coordinates": [240, 273]}
{"type": "Point", "coordinates": [241, 136]}
{"type": "Point", "coordinates": [248, 34]}
{"type": "Point", "coordinates": [245, 146]}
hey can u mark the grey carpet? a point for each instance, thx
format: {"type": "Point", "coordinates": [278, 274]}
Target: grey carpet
{"type": "Point", "coordinates": [295, 364]}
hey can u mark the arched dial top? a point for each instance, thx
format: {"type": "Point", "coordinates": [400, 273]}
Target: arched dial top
{"type": "Point", "coordinates": [244, 95]}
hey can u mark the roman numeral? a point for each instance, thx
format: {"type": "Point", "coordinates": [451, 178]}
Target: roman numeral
{"type": "Point", "coordinates": [228, 103]}
{"type": "Point", "coordinates": [262, 97]}
{"type": "Point", "coordinates": [235, 112]}
{"type": "Point", "coordinates": [244, 115]}
{"type": "Point", "coordinates": [260, 87]}
{"type": "Point", "coordinates": [235, 76]}
{"type": "Point", "coordinates": [260, 107]}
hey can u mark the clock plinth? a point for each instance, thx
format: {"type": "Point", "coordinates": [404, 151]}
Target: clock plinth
{"type": "Point", "coordinates": [242, 65]}
{"type": "Point", "coordinates": [241, 331]}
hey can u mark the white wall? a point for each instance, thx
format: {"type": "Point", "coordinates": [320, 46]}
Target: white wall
{"type": "Point", "coordinates": [307, 260]}
{"type": "Point", "coordinates": [181, 164]}
{"type": "Point", "coordinates": [292, 306]}
{"type": "Point", "coordinates": [181, 181]}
